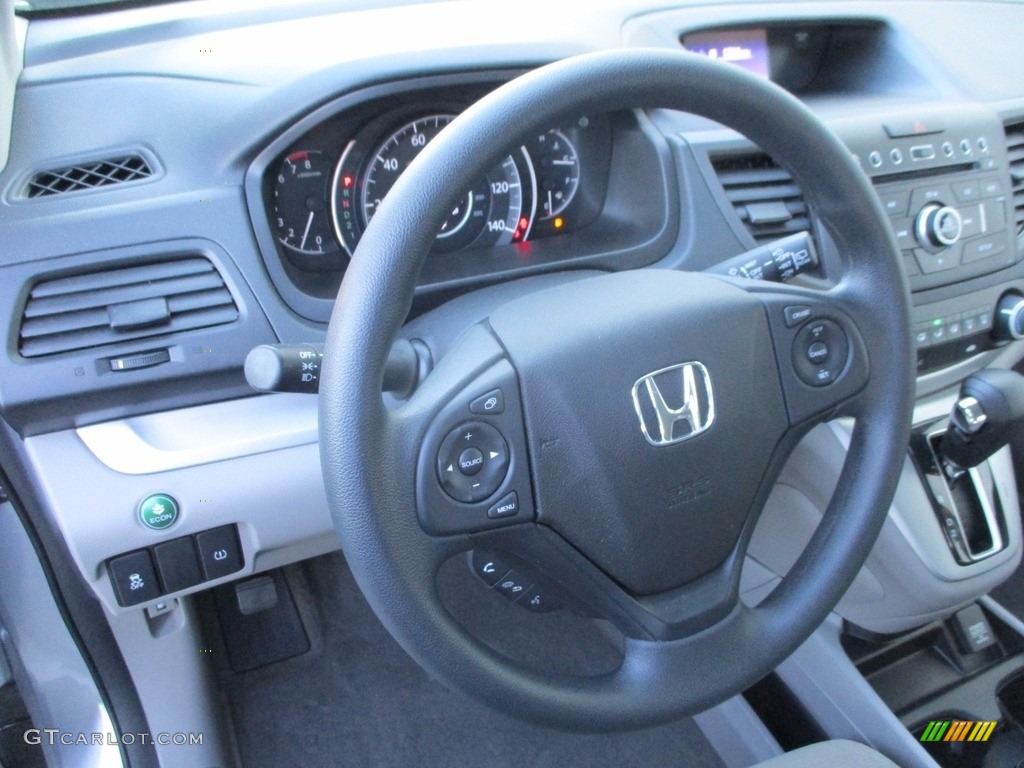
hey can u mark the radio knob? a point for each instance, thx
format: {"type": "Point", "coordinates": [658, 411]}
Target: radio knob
{"type": "Point", "coordinates": [1008, 323]}
{"type": "Point", "coordinates": [937, 227]}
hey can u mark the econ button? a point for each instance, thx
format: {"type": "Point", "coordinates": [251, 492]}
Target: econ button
{"type": "Point", "coordinates": [158, 511]}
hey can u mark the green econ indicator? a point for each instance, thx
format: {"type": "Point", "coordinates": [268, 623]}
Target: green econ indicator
{"type": "Point", "coordinates": [492, 213]}
{"type": "Point", "coordinates": [158, 511]}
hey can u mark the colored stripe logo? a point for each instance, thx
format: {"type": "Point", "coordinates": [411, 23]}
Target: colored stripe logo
{"type": "Point", "coordinates": [959, 730]}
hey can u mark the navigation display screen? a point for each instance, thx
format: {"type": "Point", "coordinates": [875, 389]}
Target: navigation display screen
{"type": "Point", "coordinates": [746, 47]}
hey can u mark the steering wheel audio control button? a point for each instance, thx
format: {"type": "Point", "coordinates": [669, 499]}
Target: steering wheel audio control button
{"type": "Point", "coordinates": [472, 462]}
{"type": "Point", "coordinates": [820, 352]}
{"type": "Point", "coordinates": [491, 403]}
{"type": "Point", "coordinates": [507, 507]}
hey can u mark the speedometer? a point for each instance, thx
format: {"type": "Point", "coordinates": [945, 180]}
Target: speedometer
{"type": "Point", "coordinates": [498, 210]}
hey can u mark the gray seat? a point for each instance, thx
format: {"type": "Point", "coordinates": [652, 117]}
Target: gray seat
{"type": "Point", "coordinates": [838, 753]}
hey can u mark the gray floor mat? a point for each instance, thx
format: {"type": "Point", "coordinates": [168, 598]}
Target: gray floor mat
{"type": "Point", "coordinates": [356, 699]}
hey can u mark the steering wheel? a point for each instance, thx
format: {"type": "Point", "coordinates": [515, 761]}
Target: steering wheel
{"type": "Point", "coordinates": [645, 415]}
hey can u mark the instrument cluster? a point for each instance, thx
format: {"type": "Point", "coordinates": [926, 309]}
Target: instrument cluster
{"type": "Point", "coordinates": [325, 188]}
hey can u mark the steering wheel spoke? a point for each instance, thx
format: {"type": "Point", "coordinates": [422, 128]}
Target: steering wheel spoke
{"type": "Point", "coordinates": [544, 564]}
{"type": "Point", "coordinates": [820, 350]}
{"type": "Point", "coordinates": [464, 425]}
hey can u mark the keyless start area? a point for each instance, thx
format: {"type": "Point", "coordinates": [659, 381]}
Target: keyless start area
{"type": "Point", "coordinates": [472, 462]}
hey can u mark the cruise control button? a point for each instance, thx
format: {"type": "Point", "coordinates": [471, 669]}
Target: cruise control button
{"type": "Point", "coordinates": [133, 578]}
{"type": "Point", "coordinates": [471, 461]}
{"type": "Point", "coordinates": [507, 507]}
{"type": "Point", "coordinates": [796, 314]}
{"type": "Point", "coordinates": [491, 403]}
{"type": "Point", "coordinates": [817, 352]}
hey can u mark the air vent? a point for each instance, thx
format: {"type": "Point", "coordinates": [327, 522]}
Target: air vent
{"type": "Point", "coordinates": [764, 196]}
{"type": "Point", "coordinates": [75, 178]}
{"type": "Point", "coordinates": [115, 305]}
{"type": "Point", "coordinates": [1015, 148]}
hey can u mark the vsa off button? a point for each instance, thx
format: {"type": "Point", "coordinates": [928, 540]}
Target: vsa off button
{"type": "Point", "coordinates": [158, 511]}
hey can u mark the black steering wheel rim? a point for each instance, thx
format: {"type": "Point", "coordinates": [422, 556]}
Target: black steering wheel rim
{"type": "Point", "coordinates": [366, 461]}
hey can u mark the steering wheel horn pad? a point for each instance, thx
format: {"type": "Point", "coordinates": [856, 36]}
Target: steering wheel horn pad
{"type": "Point", "coordinates": [612, 530]}
{"type": "Point", "coordinates": [653, 517]}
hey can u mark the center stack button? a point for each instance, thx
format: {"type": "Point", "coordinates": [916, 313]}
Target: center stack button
{"type": "Point", "coordinates": [472, 462]}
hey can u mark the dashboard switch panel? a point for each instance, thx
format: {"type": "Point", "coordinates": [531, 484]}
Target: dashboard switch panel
{"type": "Point", "coordinates": [181, 563]}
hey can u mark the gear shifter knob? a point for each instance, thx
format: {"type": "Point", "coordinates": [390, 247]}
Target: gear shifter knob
{"type": "Point", "coordinates": [989, 411]}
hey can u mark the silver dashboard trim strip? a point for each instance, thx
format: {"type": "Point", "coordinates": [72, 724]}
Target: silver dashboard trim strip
{"type": "Point", "coordinates": [204, 434]}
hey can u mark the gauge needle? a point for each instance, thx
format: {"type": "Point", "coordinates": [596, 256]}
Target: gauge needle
{"type": "Point", "coordinates": [551, 207]}
{"type": "Point", "coordinates": [563, 162]}
{"type": "Point", "coordinates": [309, 223]}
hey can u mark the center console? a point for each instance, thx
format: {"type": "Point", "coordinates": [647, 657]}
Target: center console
{"type": "Point", "coordinates": [915, 643]}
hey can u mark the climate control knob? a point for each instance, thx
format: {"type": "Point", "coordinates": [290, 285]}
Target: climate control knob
{"type": "Point", "coordinates": [1008, 322]}
{"type": "Point", "coordinates": [937, 227]}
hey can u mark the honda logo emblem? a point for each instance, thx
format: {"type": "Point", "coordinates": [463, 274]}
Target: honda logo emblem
{"type": "Point", "coordinates": [675, 403]}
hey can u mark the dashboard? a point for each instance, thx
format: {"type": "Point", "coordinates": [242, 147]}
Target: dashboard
{"type": "Point", "coordinates": [182, 188]}
{"type": "Point", "coordinates": [144, 257]}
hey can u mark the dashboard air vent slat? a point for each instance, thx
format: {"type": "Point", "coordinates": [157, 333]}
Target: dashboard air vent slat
{"type": "Point", "coordinates": [763, 195]}
{"type": "Point", "coordinates": [115, 305]}
{"type": "Point", "coordinates": [1015, 149]}
{"type": "Point", "coordinates": [100, 173]}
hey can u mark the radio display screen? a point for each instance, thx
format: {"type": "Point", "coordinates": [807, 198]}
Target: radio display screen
{"type": "Point", "coordinates": [747, 48]}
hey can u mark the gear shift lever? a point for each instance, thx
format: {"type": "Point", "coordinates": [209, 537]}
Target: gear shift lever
{"type": "Point", "coordinates": [989, 411]}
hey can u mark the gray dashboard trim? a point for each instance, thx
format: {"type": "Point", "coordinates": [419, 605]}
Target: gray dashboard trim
{"type": "Point", "coordinates": [57, 686]}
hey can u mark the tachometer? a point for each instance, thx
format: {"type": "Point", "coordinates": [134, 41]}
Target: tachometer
{"type": "Point", "coordinates": [299, 204]}
{"type": "Point", "coordinates": [498, 210]}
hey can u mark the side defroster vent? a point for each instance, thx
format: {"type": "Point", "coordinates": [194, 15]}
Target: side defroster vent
{"type": "Point", "coordinates": [763, 195]}
{"type": "Point", "coordinates": [101, 173]}
{"type": "Point", "coordinates": [1015, 148]}
{"type": "Point", "coordinates": [90, 310]}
